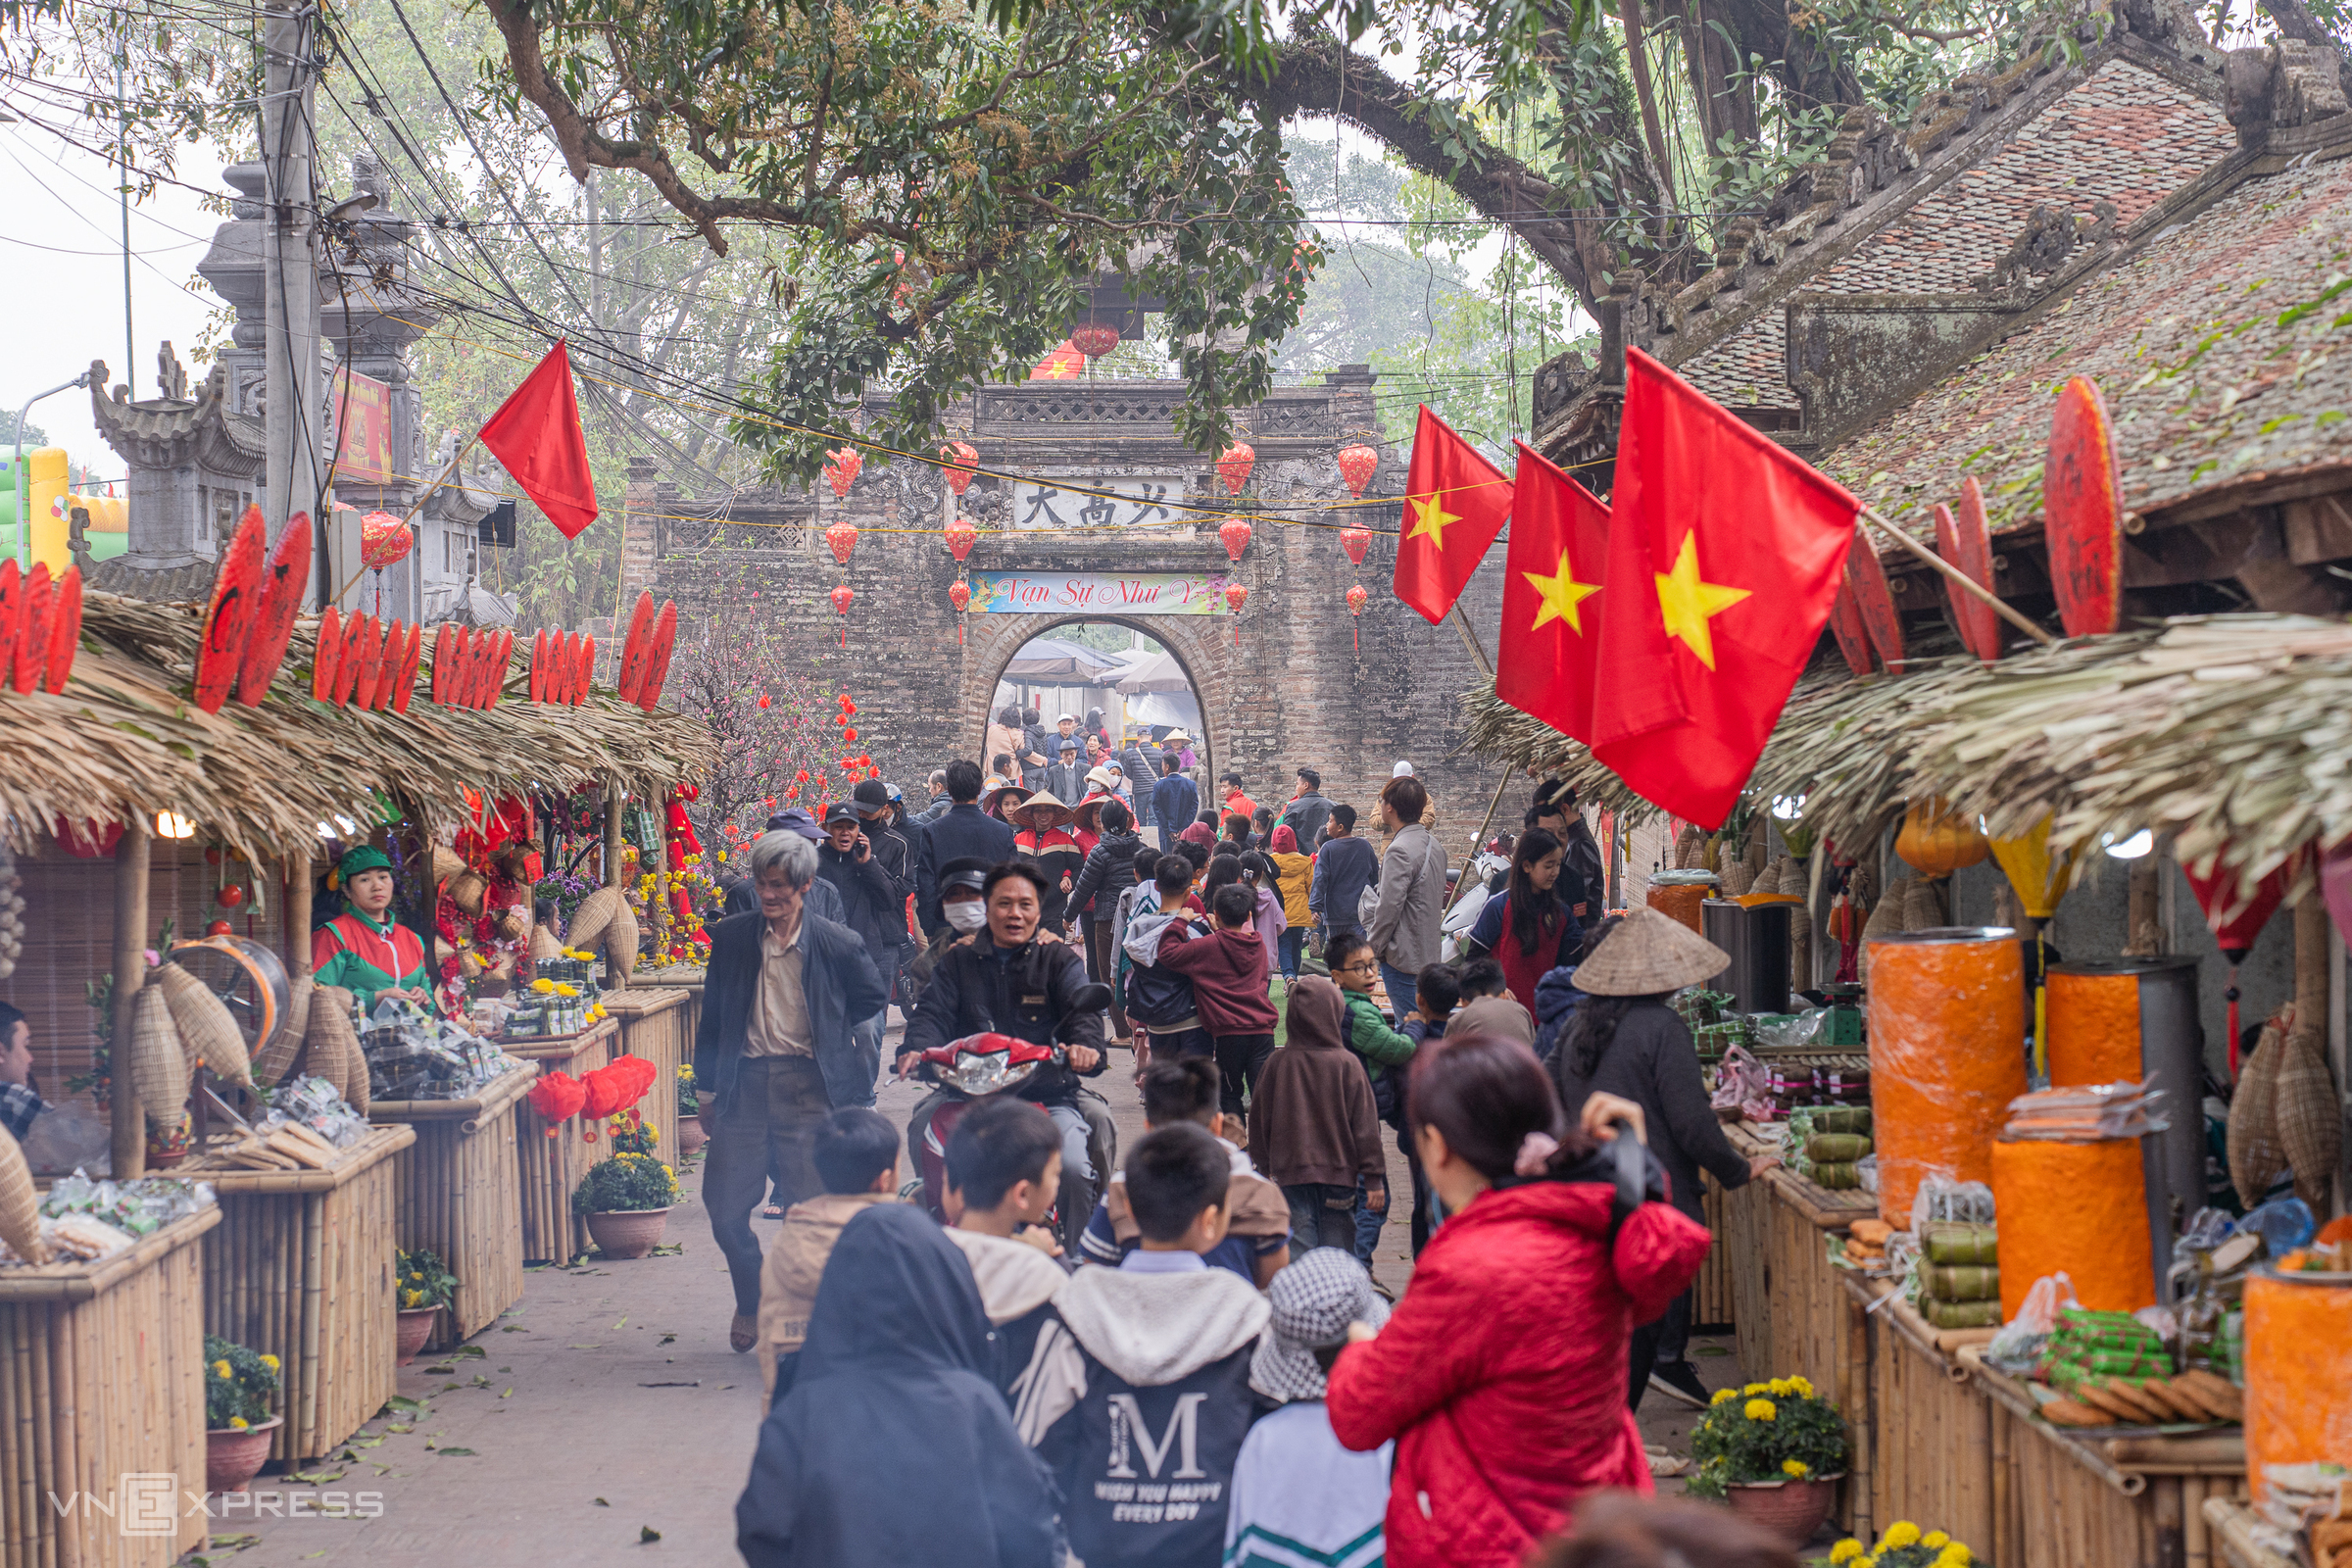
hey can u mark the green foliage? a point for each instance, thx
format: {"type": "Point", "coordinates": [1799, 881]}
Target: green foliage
{"type": "Point", "coordinates": [1774, 1431]}
{"type": "Point", "coordinates": [687, 1103]}
{"type": "Point", "coordinates": [625, 1182]}
{"type": "Point", "coordinates": [421, 1279]}
{"type": "Point", "coordinates": [240, 1385]}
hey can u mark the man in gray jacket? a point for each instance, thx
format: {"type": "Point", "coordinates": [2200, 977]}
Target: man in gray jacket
{"type": "Point", "coordinates": [1406, 926]}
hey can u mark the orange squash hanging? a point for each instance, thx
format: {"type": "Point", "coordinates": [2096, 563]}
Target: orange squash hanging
{"type": "Point", "coordinates": [1937, 841]}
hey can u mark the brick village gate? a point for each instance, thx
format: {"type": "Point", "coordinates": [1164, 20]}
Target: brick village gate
{"type": "Point", "coordinates": [1293, 691]}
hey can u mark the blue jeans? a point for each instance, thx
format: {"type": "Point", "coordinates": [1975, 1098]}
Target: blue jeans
{"type": "Point", "coordinates": [1319, 1217]}
{"type": "Point", "coordinates": [1367, 1226]}
{"type": "Point", "coordinates": [1288, 946]}
{"type": "Point", "coordinates": [1402, 986]}
{"type": "Point", "coordinates": [867, 1035]}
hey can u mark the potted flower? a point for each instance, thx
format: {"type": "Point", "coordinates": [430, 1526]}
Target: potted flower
{"type": "Point", "coordinates": [627, 1199]}
{"type": "Point", "coordinates": [422, 1287]}
{"type": "Point", "coordinates": [1775, 1451]}
{"type": "Point", "coordinates": [1904, 1547]}
{"type": "Point", "coordinates": [690, 1137]}
{"type": "Point", "coordinates": [631, 1134]}
{"type": "Point", "coordinates": [238, 1385]}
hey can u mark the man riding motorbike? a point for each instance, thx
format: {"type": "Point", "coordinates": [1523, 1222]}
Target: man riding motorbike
{"type": "Point", "coordinates": [1006, 980]}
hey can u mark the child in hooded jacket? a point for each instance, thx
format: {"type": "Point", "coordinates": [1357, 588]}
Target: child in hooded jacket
{"type": "Point", "coordinates": [856, 1157]}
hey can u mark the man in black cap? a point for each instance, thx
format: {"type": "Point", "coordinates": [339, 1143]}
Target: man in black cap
{"type": "Point", "coordinates": [877, 911]}
{"type": "Point", "coordinates": [821, 898]}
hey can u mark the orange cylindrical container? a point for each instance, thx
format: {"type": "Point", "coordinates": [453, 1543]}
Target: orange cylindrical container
{"type": "Point", "coordinates": [2298, 1370]}
{"type": "Point", "coordinates": [1683, 903]}
{"type": "Point", "coordinates": [2080, 1208]}
{"type": "Point", "coordinates": [1948, 1032]}
{"type": "Point", "coordinates": [2093, 1023]}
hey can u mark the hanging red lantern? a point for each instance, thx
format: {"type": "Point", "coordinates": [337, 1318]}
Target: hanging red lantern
{"type": "Point", "coordinates": [1234, 534]}
{"type": "Point", "coordinates": [385, 540]}
{"type": "Point", "coordinates": [960, 536]}
{"type": "Point", "coordinates": [961, 458]}
{"type": "Point", "coordinates": [1234, 465]}
{"type": "Point", "coordinates": [1355, 541]}
{"type": "Point", "coordinates": [843, 537]}
{"type": "Point", "coordinates": [841, 596]}
{"type": "Point", "coordinates": [2236, 918]}
{"type": "Point", "coordinates": [1356, 598]}
{"type": "Point", "coordinates": [1356, 463]}
{"type": "Point", "coordinates": [1094, 339]}
{"type": "Point", "coordinates": [960, 594]}
{"type": "Point", "coordinates": [1236, 595]}
{"type": "Point", "coordinates": [842, 472]}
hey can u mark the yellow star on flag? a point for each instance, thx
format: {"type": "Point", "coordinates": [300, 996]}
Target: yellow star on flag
{"type": "Point", "coordinates": [1561, 594]}
{"type": "Point", "coordinates": [1687, 604]}
{"type": "Point", "coordinates": [1432, 517]}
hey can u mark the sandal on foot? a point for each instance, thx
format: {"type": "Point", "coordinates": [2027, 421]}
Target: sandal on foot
{"type": "Point", "coordinates": [743, 1333]}
{"type": "Point", "coordinates": [773, 1211]}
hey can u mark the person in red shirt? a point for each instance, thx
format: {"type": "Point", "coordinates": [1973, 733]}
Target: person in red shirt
{"type": "Point", "coordinates": [1237, 803]}
{"type": "Point", "coordinates": [1228, 967]}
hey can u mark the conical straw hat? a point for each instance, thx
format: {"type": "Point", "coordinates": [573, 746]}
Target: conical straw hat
{"type": "Point", "coordinates": [1648, 954]}
{"type": "Point", "coordinates": [1042, 809]}
{"type": "Point", "coordinates": [20, 1206]}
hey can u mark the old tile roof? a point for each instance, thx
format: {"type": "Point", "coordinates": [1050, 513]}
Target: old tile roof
{"type": "Point", "coordinates": [2222, 349]}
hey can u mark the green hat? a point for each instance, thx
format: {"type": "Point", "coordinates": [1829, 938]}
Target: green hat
{"type": "Point", "coordinates": [365, 858]}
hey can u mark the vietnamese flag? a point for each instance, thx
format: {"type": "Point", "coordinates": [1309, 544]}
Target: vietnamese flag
{"type": "Point", "coordinates": [535, 434]}
{"type": "Point", "coordinates": [1455, 502]}
{"type": "Point", "coordinates": [1740, 548]}
{"type": "Point", "coordinates": [1551, 602]}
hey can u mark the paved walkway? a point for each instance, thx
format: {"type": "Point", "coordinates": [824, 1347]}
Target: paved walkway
{"type": "Point", "coordinates": [605, 1405]}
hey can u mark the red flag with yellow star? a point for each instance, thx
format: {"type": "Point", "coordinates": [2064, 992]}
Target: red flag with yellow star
{"type": "Point", "coordinates": [1741, 547]}
{"type": "Point", "coordinates": [1552, 604]}
{"type": "Point", "coordinates": [1455, 503]}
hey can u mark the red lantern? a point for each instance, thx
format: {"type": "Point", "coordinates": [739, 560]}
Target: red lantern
{"type": "Point", "coordinates": [1094, 339]}
{"type": "Point", "coordinates": [1355, 541]}
{"type": "Point", "coordinates": [1236, 594]}
{"type": "Point", "coordinates": [384, 540]}
{"type": "Point", "coordinates": [960, 536]}
{"type": "Point", "coordinates": [1234, 534]}
{"type": "Point", "coordinates": [961, 458]}
{"type": "Point", "coordinates": [842, 595]}
{"type": "Point", "coordinates": [2236, 918]}
{"type": "Point", "coordinates": [960, 594]}
{"type": "Point", "coordinates": [1356, 598]}
{"type": "Point", "coordinates": [843, 537]}
{"type": "Point", "coordinates": [842, 472]}
{"type": "Point", "coordinates": [1356, 463]}
{"type": "Point", "coordinates": [1234, 465]}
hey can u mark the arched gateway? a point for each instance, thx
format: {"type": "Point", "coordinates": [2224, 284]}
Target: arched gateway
{"type": "Point", "coordinates": [1282, 684]}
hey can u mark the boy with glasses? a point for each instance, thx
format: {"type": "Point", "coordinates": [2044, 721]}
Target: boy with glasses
{"type": "Point", "coordinates": [1366, 1032]}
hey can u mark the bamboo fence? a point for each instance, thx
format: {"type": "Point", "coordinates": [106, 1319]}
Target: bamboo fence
{"type": "Point", "coordinates": [1713, 1298]}
{"type": "Point", "coordinates": [101, 1378]}
{"type": "Point", "coordinates": [553, 1160]}
{"type": "Point", "coordinates": [458, 1190]}
{"type": "Point", "coordinates": [301, 1268]}
{"type": "Point", "coordinates": [1929, 1428]}
{"type": "Point", "coordinates": [657, 1025]}
{"type": "Point", "coordinates": [2229, 1524]}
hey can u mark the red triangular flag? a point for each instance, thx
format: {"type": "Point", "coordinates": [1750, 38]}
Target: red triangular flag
{"type": "Point", "coordinates": [1724, 553]}
{"type": "Point", "coordinates": [1551, 597]}
{"type": "Point", "coordinates": [536, 434]}
{"type": "Point", "coordinates": [1455, 503]}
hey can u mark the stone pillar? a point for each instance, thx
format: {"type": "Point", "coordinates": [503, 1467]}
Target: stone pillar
{"type": "Point", "coordinates": [640, 533]}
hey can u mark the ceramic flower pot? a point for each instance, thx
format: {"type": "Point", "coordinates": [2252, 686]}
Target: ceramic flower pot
{"type": "Point", "coordinates": [232, 1455]}
{"type": "Point", "coordinates": [416, 1327]}
{"type": "Point", "coordinates": [690, 1137]}
{"type": "Point", "coordinates": [628, 1231]}
{"type": "Point", "coordinates": [1790, 1509]}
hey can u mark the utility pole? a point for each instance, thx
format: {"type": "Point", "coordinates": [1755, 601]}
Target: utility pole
{"type": "Point", "coordinates": [130, 377]}
{"type": "Point", "coordinates": [290, 278]}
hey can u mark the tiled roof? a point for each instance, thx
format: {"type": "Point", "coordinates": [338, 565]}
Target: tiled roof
{"type": "Point", "coordinates": [1750, 372]}
{"type": "Point", "coordinates": [2223, 349]}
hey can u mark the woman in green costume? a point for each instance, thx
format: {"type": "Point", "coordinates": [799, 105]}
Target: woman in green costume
{"type": "Point", "coordinates": [364, 948]}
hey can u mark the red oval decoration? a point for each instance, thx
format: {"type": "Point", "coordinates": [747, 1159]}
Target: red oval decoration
{"type": "Point", "coordinates": [406, 685]}
{"type": "Point", "coordinates": [329, 657]}
{"type": "Point", "coordinates": [1867, 577]}
{"type": "Point", "coordinates": [1962, 538]}
{"type": "Point", "coordinates": [228, 620]}
{"type": "Point", "coordinates": [635, 649]}
{"type": "Point", "coordinates": [1846, 621]}
{"type": "Point", "coordinates": [587, 670]}
{"type": "Point", "coordinates": [12, 615]}
{"type": "Point", "coordinates": [370, 663]}
{"type": "Point", "coordinates": [65, 631]}
{"type": "Point", "coordinates": [539, 666]}
{"type": "Point", "coordinates": [665, 643]}
{"type": "Point", "coordinates": [32, 643]}
{"type": "Point", "coordinates": [2082, 516]}
{"type": "Point", "coordinates": [283, 584]}
{"type": "Point", "coordinates": [445, 643]}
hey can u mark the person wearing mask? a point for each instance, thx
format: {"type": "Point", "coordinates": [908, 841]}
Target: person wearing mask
{"type": "Point", "coordinates": [962, 832]}
{"type": "Point", "coordinates": [20, 1097]}
{"type": "Point", "coordinates": [1293, 872]}
{"type": "Point", "coordinates": [1555, 812]}
{"type": "Point", "coordinates": [1228, 967]}
{"type": "Point", "coordinates": [775, 1052]}
{"type": "Point", "coordinates": [1235, 799]}
{"type": "Point", "coordinates": [1315, 1129]}
{"type": "Point", "coordinates": [1344, 866]}
{"type": "Point", "coordinates": [1530, 930]}
{"type": "Point", "coordinates": [896, 1363]}
{"type": "Point", "coordinates": [856, 1157]}
{"type": "Point", "coordinates": [876, 906]}
{"type": "Point", "coordinates": [1405, 924]}
{"type": "Point", "coordinates": [1307, 811]}
{"type": "Point", "coordinates": [1501, 1376]}
{"type": "Point", "coordinates": [1004, 1172]}
{"type": "Point", "coordinates": [1624, 1040]}
{"type": "Point", "coordinates": [963, 912]}
{"type": "Point", "coordinates": [1175, 803]}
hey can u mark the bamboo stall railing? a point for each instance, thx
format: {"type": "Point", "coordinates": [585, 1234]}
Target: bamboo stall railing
{"type": "Point", "coordinates": [552, 1162]}
{"type": "Point", "coordinates": [457, 1191]}
{"type": "Point", "coordinates": [657, 1024]}
{"type": "Point", "coordinates": [102, 1377]}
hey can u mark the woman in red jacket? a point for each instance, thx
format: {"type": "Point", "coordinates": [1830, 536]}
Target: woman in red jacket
{"type": "Point", "coordinates": [1501, 1374]}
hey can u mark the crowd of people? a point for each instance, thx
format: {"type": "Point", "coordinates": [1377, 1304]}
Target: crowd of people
{"type": "Point", "coordinates": [1181, 1357]}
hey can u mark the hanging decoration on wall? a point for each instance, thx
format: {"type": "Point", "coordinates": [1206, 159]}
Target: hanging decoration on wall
{"type": "Point", "coordinates": [1234, 465]}
{"type": "Point", "coordinates": [1356, 465]}
{"type": "Point", "coordinates": [961, 458]}
{"type": "Point", "coordinates": [842, 538]}
{"type": "Point", "coordinates": [960, 594]}
{"type": "Point", "coordinates": [1234, 534]}
{"type": "Point", "coordinates": [960, 536]}
{"type": "Point", "coordinates": [841, 472]}
{"type": "Point", "coordinates": [385, 540]}
{"type": "Point", "coordinates": [2083, 511]}
{"type": "Point", "coordinates": [843, 596]}
{"type": "Point", "coordinates": [1094, 339]}
{"type": "Point", "coordinates": [1236, 595]}
{"type": "Point", "coordinates": [1356, 598]}
{"type": "Point", "coordinates": [1355, 541]}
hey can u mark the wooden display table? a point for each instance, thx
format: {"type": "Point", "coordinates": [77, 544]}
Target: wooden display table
{"type": "Point", "coordinates": [658, 1023]}
{"type": "Point", "coordinates": [1713, 1298]}
{"type": "Point", "coordinates": [459, 1192]}
{"type": "Point", "coordinates": [301, 1268]}
{"type": "Point", "coordinates": [677, 977]}
{"type": "Point", "coordinates": [554, 1161]}
{"type": "Point", "coordinates": [102, 1376]}
{"type": "Point", "coordinates": [2074, 1498]}
{"type": "Point", "coordinates": [1926, 1424]}
{"type": "Point", "coordinates": [2230, 1527]}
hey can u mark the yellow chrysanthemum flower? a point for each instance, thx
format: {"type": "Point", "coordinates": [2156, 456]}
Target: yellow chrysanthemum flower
{"type": "Point", "coordinates": [1845, 1551]}
{"type": "Point", "coordinates": [1725, 1395]}
{"type": "Point", "coordinates": [238, 1423]}
{"type": "Point", "coordinates": [1936, 1540]}
{"type": "Point", "coordinates": [220, 1368]}
{"type": "Point", "coordinates": [1752, 1390]}
{"type": "Point", "coordinates": [270, 1362]}
{"type": "Point", "coordinates": [1955, 1556]}
{"type": "Point", "coordinates": [1801, 1386]}
{"type": "Point", "coordinates": [545, 988]}
{"type": "Point", "coordinates": [1797, 1468]}
{"type": "Point", "coordinates": [1760, 1411]}
{"type": "Point", "coordinates": [1900, 1534]}
{"type": "Point", "coordinates": [412, 1298]}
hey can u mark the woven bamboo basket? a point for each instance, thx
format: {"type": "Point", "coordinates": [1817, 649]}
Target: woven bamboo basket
{"type": "Point", "coordinates": [275, 1059]}
{"type": "Point", "coordinates": [335, 1048]}
{"type": "Point", "coordinates": [466, 890]}
{"type": "Point", "coordinates": [446, 862]}
{"type": "Point", "coordinates": [620, 940]}
{"type": "Point", "coordinates": [513, 925]}
{"type": "Point", "coordinates": [158, 1065]}
{"type": "Point", "coordinates": [20, 1206]}
{"type": "Point", "coordinates": [207, 1028]}
{"type": "Point", "coordinates": [589, 920]}
{"type": "Point", "coordinates": [543, 945]}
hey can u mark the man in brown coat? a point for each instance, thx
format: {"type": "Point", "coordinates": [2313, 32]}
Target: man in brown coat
{"type": "Point", "coordinates": [1313, 1127]}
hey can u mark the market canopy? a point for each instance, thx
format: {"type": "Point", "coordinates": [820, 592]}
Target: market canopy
{"type": "Point", "coordinates": [125, 741]}
{"type": "Point", "coordinates": [1157, 674]}
{"type": "Point", "coordinates": [1046, 658]}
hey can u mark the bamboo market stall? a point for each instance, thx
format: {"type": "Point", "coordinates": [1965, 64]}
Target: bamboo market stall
{"type": "Point", "coordinates": [457, 1192]}
{"type": "Point", "coordinates": [102, 1379]}
{"type": "Point", "coordinates": [554, 1159]}
{"type": "Point", "coordinates": [1929, 1427]}
{"type": "Point", "coordinates": [301, 1268]}
{"type": "Point", "coordinates": [2232, 1527]}
{"type": "Point", "coordinates": [657, 1024]}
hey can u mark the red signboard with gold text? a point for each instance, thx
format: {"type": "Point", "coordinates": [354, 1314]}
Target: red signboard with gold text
{"type": "Point", "coordinates": [362, 429]}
